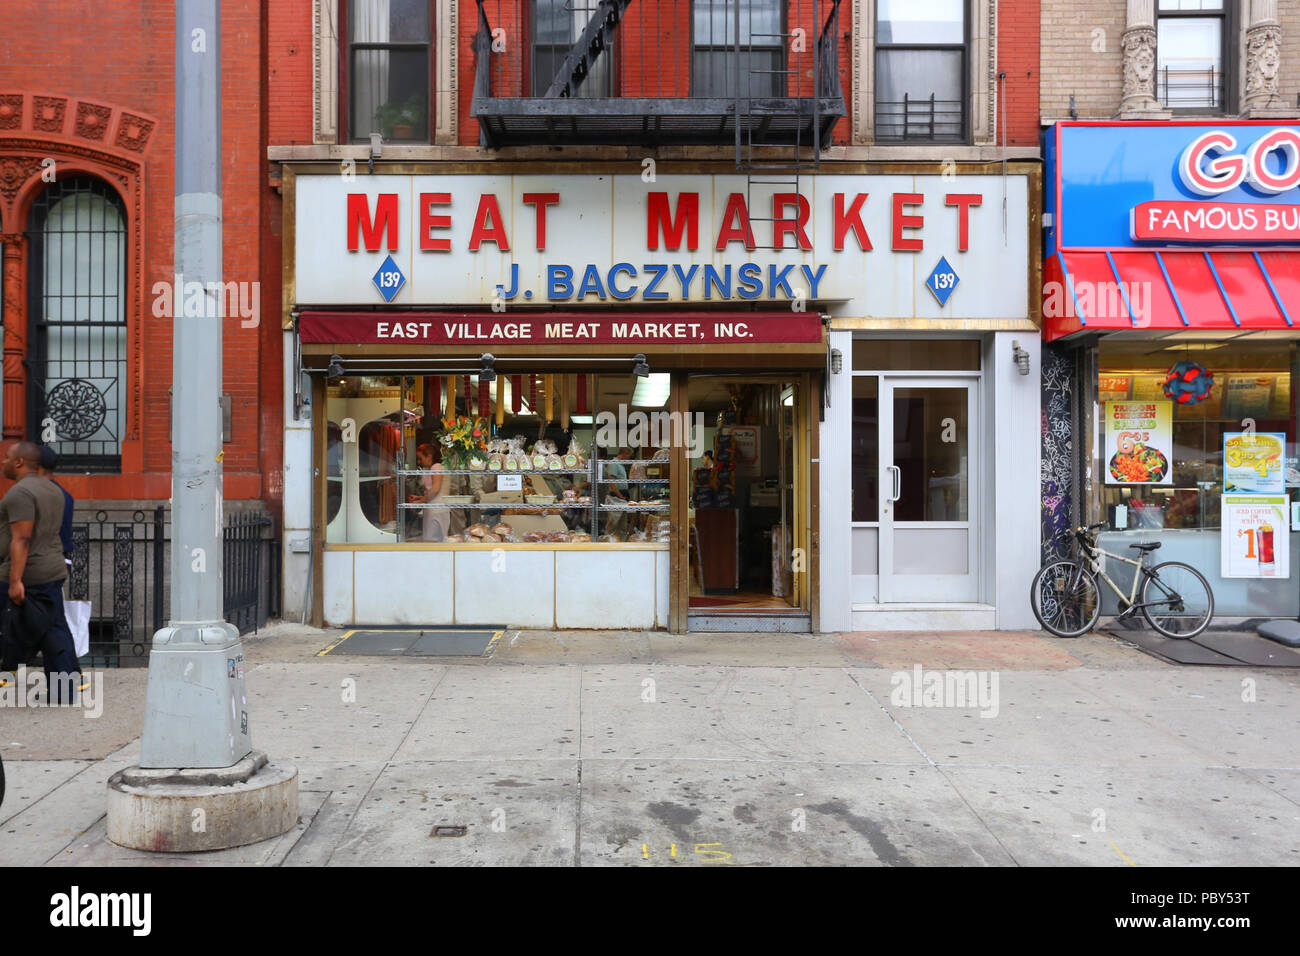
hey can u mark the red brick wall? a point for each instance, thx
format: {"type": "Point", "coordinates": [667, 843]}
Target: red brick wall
{"type": "Point", "coordinates": [290, 48]}
{"type": "Point", "coordinates": [1018, 49]}
{"type": "Point", "coordinates": [130, 66]}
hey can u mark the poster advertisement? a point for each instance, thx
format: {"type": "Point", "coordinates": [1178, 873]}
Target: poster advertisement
{"type": "Point", "coordinates": [1254, 463]}
{"type": "Point", "coordinates": [1247, 396]}
{"type": "Point", "coordinates": [1255, 542]}
{"type": "Point", "coordinates": [1139, 443]}
{"type": "Point", "coordinates": [745, 442]}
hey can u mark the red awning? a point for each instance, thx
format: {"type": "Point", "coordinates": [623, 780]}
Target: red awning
{"type": "Point", "coordinates": [1170, 289]}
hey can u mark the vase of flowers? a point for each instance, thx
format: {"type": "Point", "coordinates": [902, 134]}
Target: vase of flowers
{"type": "Point", "coordinates": [464, 443]}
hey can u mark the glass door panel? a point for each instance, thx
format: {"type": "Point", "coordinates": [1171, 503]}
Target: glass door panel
{"type": "Point", "coordinates": [927, 481]}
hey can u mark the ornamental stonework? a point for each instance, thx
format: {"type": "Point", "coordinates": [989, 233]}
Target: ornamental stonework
{"type": "Point", "coordinates": [1139, 46]}
{"type": "Point", "coordinates": [133, 132]}
{"type": "Point", "coordinates": [14, 171]}
{"type": "Point", "coordinates": [92, 120]}
{"type": "Point", "coordinates": [47, 113]}
{"type": "Point", "coordinates": [1263, 58]}
{"type": "Point", "coordinates": [11, 110]}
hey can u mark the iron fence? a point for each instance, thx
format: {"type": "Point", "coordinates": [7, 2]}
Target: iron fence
{"type": "Point", "coordinates": [120, 562]}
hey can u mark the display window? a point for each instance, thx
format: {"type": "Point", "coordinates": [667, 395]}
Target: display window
{"type": "Point", "coordinates": [1168, 415]}
{"type": "Point", "coordinates": [1195, 446]}
{"type": "Point", "coordinates": [546, 458]}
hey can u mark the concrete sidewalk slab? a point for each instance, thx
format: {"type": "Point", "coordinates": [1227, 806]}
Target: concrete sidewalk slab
{"type": "Point", "coordinates": [1155, 816]}
{"type": "Point", "coordinates": [510, 713]}
{"type": "Point", "coordinates": [367, 706]}
{"type": "Point", "coordinates": [28, 781]}
{"type": "Point", "coordinates": [720, 713]}
{"type": "Point", "coordinates": [515, 813]}
{"type": "Point", "coordinates": [736, 813]}
{"type": "Point", "coordinates": [40, 831]}
{"type": "Point", "coordinates": [1041, 720]}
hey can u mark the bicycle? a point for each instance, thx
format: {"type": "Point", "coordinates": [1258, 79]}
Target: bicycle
{"type": "Point", "coordinates": [1176, 598]}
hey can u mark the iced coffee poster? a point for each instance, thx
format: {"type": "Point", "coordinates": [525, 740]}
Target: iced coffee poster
{"type": "Point", "coordinates": [1254, 463]}
{"type": "Point", "coordinates": [1255, 541]}
{"type": "Point", "coordinates": [1139, 443]}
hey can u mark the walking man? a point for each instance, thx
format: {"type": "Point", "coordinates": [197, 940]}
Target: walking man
{"type": "Point", "coordinates": [32, 564]}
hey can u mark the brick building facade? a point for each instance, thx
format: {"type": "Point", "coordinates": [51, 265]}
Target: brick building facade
{"type": "Point", "coordinates": [86, 223]}
{"type": "Point", "coordinates": [433, 103]}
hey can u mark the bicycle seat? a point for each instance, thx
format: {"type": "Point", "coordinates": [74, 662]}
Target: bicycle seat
{"type": "Point", "coordinates": [1150, 546]}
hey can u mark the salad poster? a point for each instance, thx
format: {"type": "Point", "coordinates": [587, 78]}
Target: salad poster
{"type": "Point", "coordinates": [1139, 443]}
{"type": "Point", "coordinates": [1254, 463]}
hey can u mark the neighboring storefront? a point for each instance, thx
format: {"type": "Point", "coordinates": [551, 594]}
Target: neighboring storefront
{"type": "Point", "coordinates": [930, 460]}
{"type": "Point", "coordinates": [646, 362]}
{"type": "Point", "coordinates": [1170, 296]}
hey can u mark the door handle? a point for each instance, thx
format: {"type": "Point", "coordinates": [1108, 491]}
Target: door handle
{"type": "Point", "coordinates": [896, 480]}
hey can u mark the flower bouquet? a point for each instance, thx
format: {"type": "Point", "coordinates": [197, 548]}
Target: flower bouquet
{"type": "Point", "coordinates": [464, 443]}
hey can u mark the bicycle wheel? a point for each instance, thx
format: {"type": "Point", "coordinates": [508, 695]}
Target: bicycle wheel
{"type": "Point", "coordinates": [1065, 598]}
{"type": "Point", "coordinates": [1177, 600]}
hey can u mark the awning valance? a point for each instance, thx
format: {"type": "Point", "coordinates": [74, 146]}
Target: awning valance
{"type": "Point", "coordinates": [1203, 290]}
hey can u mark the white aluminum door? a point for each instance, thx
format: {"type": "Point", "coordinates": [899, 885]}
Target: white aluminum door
{"type": "Point", "coordinates": [929, 502]}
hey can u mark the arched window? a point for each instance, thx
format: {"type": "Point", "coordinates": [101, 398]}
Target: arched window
{"type": "Point", "coordinates": [76, 325]}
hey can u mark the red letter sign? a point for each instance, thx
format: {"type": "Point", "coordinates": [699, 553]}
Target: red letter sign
{"type": "Point", "coordinates": [902, 222]}
{"type": "Point", "coordinates": [687, 221]}
{"type": "Point", "coordinates": [427, 222]}
{"type": "Point", "coordinates": [852, 219]}
{"type": "Point", "coordinates": [963, 202]}
{"type": "Point", "coordinates": [482, 232]}
{"type": "Point", "coordinates": [782, 226]}
{"type": "Point", "coordinates": [541, 201]}
{"type": "Point", "coordinates": [736, 210]}
{"type": "Point", "coordinates": [359, 221]}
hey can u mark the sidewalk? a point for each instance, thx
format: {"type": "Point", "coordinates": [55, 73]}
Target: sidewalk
{"type": "Point", "coordinates": [587, 748]}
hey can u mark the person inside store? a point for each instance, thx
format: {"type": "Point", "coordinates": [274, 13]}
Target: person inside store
{"type": "Point", "coordinates": [433, 525]}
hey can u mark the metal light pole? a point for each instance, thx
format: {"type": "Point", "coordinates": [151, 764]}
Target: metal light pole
{"type": "Point", "coordinates": [196, 712]}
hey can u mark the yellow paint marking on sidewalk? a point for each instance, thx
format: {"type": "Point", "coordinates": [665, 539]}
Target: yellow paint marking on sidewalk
{"type": "Point", "coordinates": [1121, 853]}
{"type": "Point", "coordinates": [496, 636]}
{"type": "Point", "coordinates": [336, 643]}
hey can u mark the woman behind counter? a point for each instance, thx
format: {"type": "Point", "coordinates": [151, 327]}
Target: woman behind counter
{"type": "Point", "coordinates": [435, 520]}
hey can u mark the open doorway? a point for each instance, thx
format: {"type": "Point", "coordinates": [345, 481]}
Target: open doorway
{"type": "Point", "coordinates": [746, 552]}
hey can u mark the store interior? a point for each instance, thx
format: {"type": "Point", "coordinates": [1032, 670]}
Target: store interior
{"type": "Point", "coordinates": [742, 554]}
{"type": "Point", "coordinates": [497, 458]}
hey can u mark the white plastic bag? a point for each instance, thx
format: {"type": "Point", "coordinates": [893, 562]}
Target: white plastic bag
{"type": "Point", "coordinates": [77, 614]}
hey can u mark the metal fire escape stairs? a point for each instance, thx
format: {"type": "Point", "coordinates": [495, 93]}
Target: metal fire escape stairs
{"type": "Point", "coordinates": [762, 161]}
{"type": "Point", "coordinates": [754, 116]}
{"type": "Point", "coordinates": [591, 43]}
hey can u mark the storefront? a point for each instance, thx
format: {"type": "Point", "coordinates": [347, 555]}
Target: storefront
{"type": "Point", "coordinates": [1170, 296]}
{"type": "Point", "coordinates": [930, 466]}
{"type": "Point", "coordinates": [645, 363]}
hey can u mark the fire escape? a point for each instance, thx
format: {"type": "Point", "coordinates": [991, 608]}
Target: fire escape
{"type": "Point", "coordinates": [664, 82]}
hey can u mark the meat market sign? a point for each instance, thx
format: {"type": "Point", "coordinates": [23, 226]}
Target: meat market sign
{"type": "Point", "coordinates": [549, 328]}
{"type": "Point", "coordinates": [867, 242]}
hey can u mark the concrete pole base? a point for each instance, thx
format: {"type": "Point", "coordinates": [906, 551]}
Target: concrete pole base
{"type": "Point", "coordinates": [183, 811]}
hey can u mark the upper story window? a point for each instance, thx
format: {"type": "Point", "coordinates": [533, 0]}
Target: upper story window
{"type": "Point", "coordinates": [76, 341]}
{"type": "Point", "coordinates": [758, 68]}
{"type": "Point", "coordinates": [387, 69]}
{"type": "Point", "coordinates": [1191, 53]}
{"type": "Point", "coordinates": [557, 25]}
{"type": "Point", "coordinates": [921, 71]}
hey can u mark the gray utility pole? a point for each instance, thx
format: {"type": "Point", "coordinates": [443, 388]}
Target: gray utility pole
{"type": "Point", "coordinates": [196, 712]}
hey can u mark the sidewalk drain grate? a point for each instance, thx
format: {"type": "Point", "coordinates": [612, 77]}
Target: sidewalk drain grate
{"type": "Point", "coordinates": [448, 831]}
